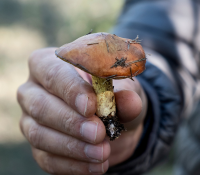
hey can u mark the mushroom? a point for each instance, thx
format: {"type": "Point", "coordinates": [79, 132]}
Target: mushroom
{"type": "Point", "coordinates": [105, 56]}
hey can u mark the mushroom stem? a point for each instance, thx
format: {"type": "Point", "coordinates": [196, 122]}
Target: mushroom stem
{"type": "Point", "coordinates": [105, 97]}
{"type": "Point", "coordinates": [106, 106]}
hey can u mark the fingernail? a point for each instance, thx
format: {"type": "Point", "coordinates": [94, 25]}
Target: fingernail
{"type": "Point", "coordinates": [89, 130]}
{"type": "Point", "coordinates": [96, 168]}
{"type": "Point", "coordinates": [94, 152]}
{"type": "Point", "coordinates": [81, 103]}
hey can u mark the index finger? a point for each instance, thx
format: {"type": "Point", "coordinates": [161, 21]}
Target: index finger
{"type": "Point", "coordinates": [62, 80]}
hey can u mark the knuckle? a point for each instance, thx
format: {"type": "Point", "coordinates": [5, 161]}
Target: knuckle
{"type": "Point", "coordinates": [33, 57]}
{"type": "Point", "coordinates": [20, 91]}
{"type": "Point", "coordinates": [38, 107]}
{"type": "Point", "coordinates": [69, 88]}
{"type": "Point", "coordinates": [66, 147]}
{"type": "Point", "coordinates": [44, 160]}
{"type": "Point", "coordinates": [34, 136]}
{"type": "Point", "coordinates": [71, 147]}
{"type": "Point", "coordinates": [36, 56]}
{"type": "Point", "coordinates": [65, 121]}
{"type": "Point", "coordinates": [70, 124]}
{"type": "Point", "coordinates": [68, 121]}
{"type": "Point", "coordinates": [21, 121]}
{"type": "Point", "coordinates": [48, 164]}
{"type": "Point", "coordinates": [50, 77]}
{"type": "Point", "coordinates": [72, 170]}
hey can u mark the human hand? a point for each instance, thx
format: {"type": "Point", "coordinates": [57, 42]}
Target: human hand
{"type": "Point", "coordinates": [58, 120]}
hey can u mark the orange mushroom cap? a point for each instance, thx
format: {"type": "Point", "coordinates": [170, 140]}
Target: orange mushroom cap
{"type": "Point", "coordinates": [105, 55]}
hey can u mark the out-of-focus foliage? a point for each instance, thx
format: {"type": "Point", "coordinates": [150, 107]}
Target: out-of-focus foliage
{"type": "Point", "coordinates": [60, 21]}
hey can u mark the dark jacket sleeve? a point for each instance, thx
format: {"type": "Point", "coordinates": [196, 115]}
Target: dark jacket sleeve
{"type": "Point", "coordinates": [169, 79]}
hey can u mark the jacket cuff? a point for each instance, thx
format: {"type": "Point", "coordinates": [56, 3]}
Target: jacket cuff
{"type": "Point", "coordinates": [159, 126]}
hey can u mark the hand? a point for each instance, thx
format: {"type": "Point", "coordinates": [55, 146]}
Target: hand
{"type": "Point", "coordinates": [58, 118]}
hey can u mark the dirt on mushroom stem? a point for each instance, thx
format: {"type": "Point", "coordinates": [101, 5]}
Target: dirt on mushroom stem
{"type": "Point", "coordinates": [106, 106]}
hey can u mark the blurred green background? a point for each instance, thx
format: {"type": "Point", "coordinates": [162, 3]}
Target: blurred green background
{"type": "Point", "coordinates": [25, 26]}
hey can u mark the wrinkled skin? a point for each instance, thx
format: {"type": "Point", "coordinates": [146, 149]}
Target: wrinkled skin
{"type": "Point", "coordinates": [58, 118]}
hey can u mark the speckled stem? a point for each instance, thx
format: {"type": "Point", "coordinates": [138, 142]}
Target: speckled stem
{"type": "Point", "coordinates": [105, 97]}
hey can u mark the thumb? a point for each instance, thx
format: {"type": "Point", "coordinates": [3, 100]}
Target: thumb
{"type": "Point", "coordinates": [131, 102]}
{"type": "Point", "coordinates": [129, 105]}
